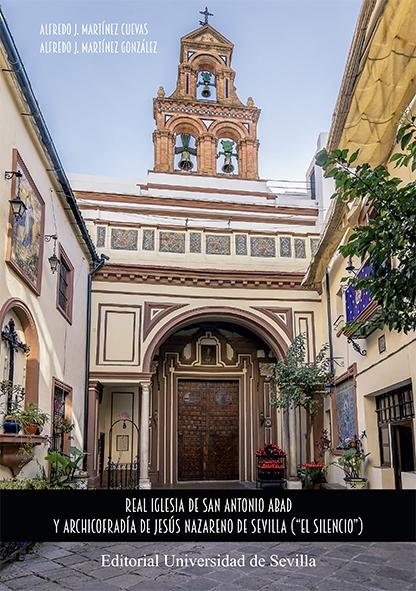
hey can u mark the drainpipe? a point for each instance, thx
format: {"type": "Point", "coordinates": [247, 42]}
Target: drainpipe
{"type": "Point", "coordinates": [329, 319]}
{"type": "Point", "coordinates": [98, 265]}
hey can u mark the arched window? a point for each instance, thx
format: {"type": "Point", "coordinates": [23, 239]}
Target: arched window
{"type": "Point", "coordinates": [185, 153]}
{"type": "Point", "coordinates": [227, 156]}
{"type": "Point", "coordinates": [19, 350]}
{"type": "Point", "coordinates": [13, 359]}
{"type": "Point", "coordinates": [206, 86]}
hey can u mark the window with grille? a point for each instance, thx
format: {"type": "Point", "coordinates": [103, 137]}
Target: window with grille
{"type": "Point", "coordinates": [65, 285]}
{"type": "Point", "coordinates": [61, 418]}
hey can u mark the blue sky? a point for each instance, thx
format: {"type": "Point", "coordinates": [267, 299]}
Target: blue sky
{"type": "Point", "coordinates": [289, 56]}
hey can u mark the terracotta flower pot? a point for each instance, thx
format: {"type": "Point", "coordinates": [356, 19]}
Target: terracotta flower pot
{"type": "Point", "coordinates": [32, 429]}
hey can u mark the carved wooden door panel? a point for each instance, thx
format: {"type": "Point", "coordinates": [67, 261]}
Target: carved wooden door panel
{"type": "Point", "coordinates": [208, 430]}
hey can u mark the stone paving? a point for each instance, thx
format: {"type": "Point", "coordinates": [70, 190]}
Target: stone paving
{"type": "Point", "coordinates": [339, 566]}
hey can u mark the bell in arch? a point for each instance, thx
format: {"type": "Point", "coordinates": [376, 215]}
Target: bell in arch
{"type": "Point", "coordinates": [227, 152]}
{"type": "Point", "coordinates": [185, 150]}
{"type": "Point", "coordinates": [205, 82]}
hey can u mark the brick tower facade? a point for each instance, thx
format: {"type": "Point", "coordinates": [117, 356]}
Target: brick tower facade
{"type": "Point", "coordinates": [206, 109]}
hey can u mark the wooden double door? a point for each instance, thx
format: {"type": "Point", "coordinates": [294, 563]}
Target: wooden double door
{"type": "Point", "coordinates": [208, 429]}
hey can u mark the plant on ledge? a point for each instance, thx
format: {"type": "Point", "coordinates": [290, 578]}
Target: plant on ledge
{"type": "Point", "coordinates": [32, 419]}
{"type": "Point", "coordinates": [14, 394]}
{"type": "Point", "coordinates": [388, 240]}
{"type": "Point", "coordinates": [299, 383]}
{"type": "Point", "coordinates": [352, 461]}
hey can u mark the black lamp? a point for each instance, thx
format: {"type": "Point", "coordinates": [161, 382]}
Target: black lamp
{"type": "Point", "coordinates": [53, 259]}
{"type": "Point", "coordinates": [350, 267]}
{"type": "Point", "coordinates": [17, 205]}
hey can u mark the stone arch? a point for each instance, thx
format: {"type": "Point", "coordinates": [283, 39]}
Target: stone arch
{"type": "Point", "coordinates": [206, 61]}
{"type": "Point", "coordinates": [192, 127]}
{"type": "Point", "coordinates": [186, 125]}
{"type": "Point", "coordinates": [259, 326]}
{"type": "Point", "coordinates": [230, 129]}
{"type": "Point", "coordinates": [21, 310]}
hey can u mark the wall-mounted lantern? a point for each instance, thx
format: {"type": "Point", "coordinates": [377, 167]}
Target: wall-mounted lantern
{"type": "Point", "coordinates": [18, 206]}
{"type": "Point", "coordinates": [53, 259]}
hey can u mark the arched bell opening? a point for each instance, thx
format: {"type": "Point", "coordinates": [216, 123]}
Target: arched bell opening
{"type": "Point", "coordinates": [185, 159]}
{"type": "Point", "coordinates": [227, 156]}
{"type": "Point", "coordinates": [206, 87]}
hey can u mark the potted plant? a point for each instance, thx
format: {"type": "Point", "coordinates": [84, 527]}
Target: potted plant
{"type": "Point", "coordinates": [32, 419]}
{"type": "Point", "coordinates": [62, 425]}
{"type": "Point", "coordinates": [14, 395]}
{"type": "Point", "coordinates": [312, 474]}
{"type": "Point", "coordinates": [65, 469]}
{"type": "Point", "coordinates": [351, 462]}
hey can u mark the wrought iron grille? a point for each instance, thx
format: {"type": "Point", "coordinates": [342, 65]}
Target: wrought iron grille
{"type": "Point", "coordinates": [395, 406]}
{"type": "Point", "coordinates": [123, 476]}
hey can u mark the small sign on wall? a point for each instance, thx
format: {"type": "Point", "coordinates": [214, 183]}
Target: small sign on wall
{"type": "Point", "coordinates": [122, 443]}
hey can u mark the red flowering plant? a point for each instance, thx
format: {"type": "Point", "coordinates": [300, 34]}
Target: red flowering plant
{"type": "Point", "coordinates": [271, 462]}
{"type": "Point", "coordinates": [312, 473]}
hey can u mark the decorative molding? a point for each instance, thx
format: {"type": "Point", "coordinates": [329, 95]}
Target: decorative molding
{"type": "Point", "coordinates": [282, 316]}
{"type": "Point", "coordinates": [161, 105]}
{"type": "Point", "coordinates": [225, 215]}
{"type": "Point", "coordinates": [104, 309]}
{"type": "Point", "coordinates": [197, 203]}
{"type": "Point", "coordinates": [201, 277]}
{"type": "Point", "coordinates": [154, 312]}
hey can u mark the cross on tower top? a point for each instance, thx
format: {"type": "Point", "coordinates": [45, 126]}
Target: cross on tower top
{"type": "Point", "coordinates": [206, 14]}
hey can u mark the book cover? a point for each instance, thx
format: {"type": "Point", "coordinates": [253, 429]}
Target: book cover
{"type": "Point", "coordinates": [207, 295]}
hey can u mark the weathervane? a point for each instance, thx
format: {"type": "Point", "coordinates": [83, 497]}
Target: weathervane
{"type": "Point", "coordinates": [206, 14]}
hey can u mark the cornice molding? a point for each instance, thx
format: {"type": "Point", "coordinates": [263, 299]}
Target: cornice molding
{"type": "Point", "coordinates": [215, 278]}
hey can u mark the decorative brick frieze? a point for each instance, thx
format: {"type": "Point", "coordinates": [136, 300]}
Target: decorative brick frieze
{"type": "Point", "coordinates": [285, 246]}
{"type": "Point", "coordinates": [218, 244]}
{"type": "Point", "coordinates": [148, 240]}
{"type": "Point", "coordinates": [101, 235]}
{"type": "Point", "coordinates": [195, 242]}
{"type": "Point", "coordinates": [300, 248]}
{"type": "Point", "coordinates": [241, 244]}
{"type": "Point", "coordinates": [262, 246]}
{"type": "Point", "coordinates": [123, 239]}
{"type": "Point", "coordinates": [172, 242]}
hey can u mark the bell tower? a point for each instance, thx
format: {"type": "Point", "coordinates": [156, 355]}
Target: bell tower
{"type": "Point", "coordinates": [203, 127]}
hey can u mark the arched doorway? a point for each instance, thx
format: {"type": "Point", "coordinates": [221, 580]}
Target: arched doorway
{"type": "Point", "coordinates": [211, 394]}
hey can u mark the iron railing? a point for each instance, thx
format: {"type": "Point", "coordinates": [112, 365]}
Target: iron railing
{"type": "Point", "coordinates": [123, 475]}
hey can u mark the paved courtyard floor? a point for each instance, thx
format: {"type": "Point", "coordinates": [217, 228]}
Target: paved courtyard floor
{"type": "Point", "coordinates": [339, 566]}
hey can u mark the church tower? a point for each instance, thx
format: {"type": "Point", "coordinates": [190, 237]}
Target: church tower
{"type": "Point", "coordinates": [203, 127]}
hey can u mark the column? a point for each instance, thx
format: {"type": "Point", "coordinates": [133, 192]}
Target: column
{"type": "Point", "coordinates": [95, 393]}
{"type": "Point", "coordinates": [144, 435]}
{"type": "Point", "coordinates": [293, 480]}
